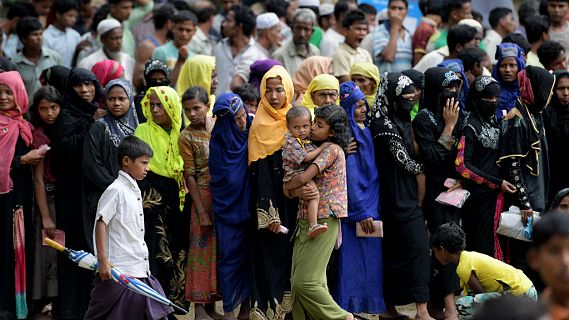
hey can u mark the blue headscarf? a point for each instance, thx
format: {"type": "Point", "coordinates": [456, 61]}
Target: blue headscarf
{"type": "Point", "coordinates": [457, 66]}
{"type": "Point", "coordinates": [362, 175]}
{"type": "Point", "coordinates": [509, 93]}
{"type": "Point", "coordinates": [228, 168]}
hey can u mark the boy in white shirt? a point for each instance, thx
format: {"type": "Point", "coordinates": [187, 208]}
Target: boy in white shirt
{"type": "Point", "coordinates": [119, 242]}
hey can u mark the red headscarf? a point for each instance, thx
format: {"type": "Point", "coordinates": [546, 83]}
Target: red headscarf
{"type": "Point", "coordinates": [12, 126]}
{"type": "Point", "coordinates": [107, 70]}
{"type": "Point", "coordinates": [526, 91]}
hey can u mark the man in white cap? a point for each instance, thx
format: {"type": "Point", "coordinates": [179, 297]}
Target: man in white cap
{"type": "Point", "coordinates": [326, 16]}
{"type": "Point", "coordinates": [335, 35]}
{"type": "Point", "coordinates": [294, 51]}
{"type": "Point", "coordinates": [122, 10]}
{"type": "Point", "coordinates": [268, 34]}
{"type": "Point", "coordinates": [111, 33]}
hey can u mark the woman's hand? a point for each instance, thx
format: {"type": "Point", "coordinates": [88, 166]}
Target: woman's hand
{"type": "Point", "coordinates": [274, 227]}
{"type": "Point", "coordinates": [353, 146]}
{"type": "Point", "coordinates": [367, 225]}
{"type": "Point", "coordinates": [99, 114]}
{"type": "Point", "coordinates": [105, 270]}
{"type": "Point", "coordinates": [507, 187]}
{"type": "Point", "coordinates": [421, 187]}
{"type": "Point", "coordinates": [307, 192]}
{"type": "Point", "coordinates": [450, 113]}
{"type": "Point", "coordinates": [457, 185]}
{"type": "Point", "coordinates": [33, 157]}
{"type": "Point", "coordinates": [525, 215]}
{"type": "Point", "coordinates": [49, 226]}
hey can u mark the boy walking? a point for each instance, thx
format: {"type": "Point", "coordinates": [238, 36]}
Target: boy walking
{"type": "Point", "coordinates": [119, 238]}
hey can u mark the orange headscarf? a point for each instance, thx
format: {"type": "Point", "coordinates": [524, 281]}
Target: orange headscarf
{"type": "Point", "coordinates": [269, 126]}
{"type": "Point", "coordinates": [308, 69]}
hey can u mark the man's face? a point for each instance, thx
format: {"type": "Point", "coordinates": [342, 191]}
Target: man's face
{"type": "Point", "coordinates": [274, 35]}
{"type": "Point", "coordinates": [68, 18]}
{"type": "Point", "coordinates": [112, 40]}
{"type": "Point", "coordinates": [301, 32]}
{"type": "Point", "coordinates": [229, 25]}
{"type": "Point", "coordinates": [183, 32]}
{"type": "Point", "coordinates": [557, 10]}
{"type": "Point", "coordinates": [463, 13]}
{"type": "Point", "coordinates": [121, 11]}
{"type": "Point", "coordinates": [397, 9]}
{"type": "Point", "coordinates": [508, 23]}
{"type": "Point", "coordinates": [228, 3]}
{"type": "Point", "coordinates": [560, 63]}
{"type": "Point", "coordinates": [34, 40]}
{"type": "Point", "coordinates": [355, 34]}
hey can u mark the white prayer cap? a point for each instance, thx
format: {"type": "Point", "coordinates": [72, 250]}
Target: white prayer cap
{"type": "Point", "coordinates": [107, 25]}
{"type": "Point", "coordinates": [326, 9]}
{"type": "Point", "coordinates": [309, 3]}
{"type": "Point", "coordinates": [267, 20]}
{"type": "Point", "coordinates": [473, 23]}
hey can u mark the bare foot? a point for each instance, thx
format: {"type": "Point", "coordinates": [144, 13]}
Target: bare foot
{"type": "Point", "coordinates": [229, 316]}
{"type": "Point", "coordinates": [392, 313]}
{"type": "Point", "coordinates": [451, 314]}
{"type": "Point", "coordinates": [210, 309]}
{"type": "Point", "coordinates": [244, 311]}
{"type": "Point", "coordinates": [350, 317]}
{"type": "Point", "coordinates": [201, 313]}
{"type": "Point", "coordinates": [423, 316]}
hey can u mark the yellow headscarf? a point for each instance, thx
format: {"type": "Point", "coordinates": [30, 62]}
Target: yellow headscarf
{"type": "Point", "coordinates": [269, 126]}
{"type": "Point", "coordinates": [197, 71]}
{"type": "Point", "coordinates": [320, 82]}
{"type": "Point", "coordinates": [368, 70]}
{"type": "Point", "coordinates": [167, 160]}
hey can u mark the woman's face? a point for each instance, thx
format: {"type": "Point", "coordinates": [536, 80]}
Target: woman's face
{"type": "Point", "coordinates": [321, 131]}
{"type": "Point", "coordinates": [159, 115]}
{"type": "Point", "coordinates": [117, 101]}
{"type": "Point", "coordinates": [275, 93]}
{"type": "Point", "coordinates": [213, 86]}
{"type": "Point", "coordinates": [85, 90]}
{"type": "Point", "coordinates": [48, 111]}
{"type": "Point", "coordinates": [360, 111]}
{"type": "Point", "coordinates": [562, 90]}
{"type": "Point", "coordinates": [564, 205]}
{"type": "Point", "coordinates": [508, 69]}
{"type": "Point", "coordinates": [196, 111]}
{"type": "Point", "coordinates": [366, 84]}
{"type": "Point", "coordinates": [324, 97]}
{"type": "Point", "coordinates": [241, 119]}
{"type": "Point", "coordinates": [7, 99]}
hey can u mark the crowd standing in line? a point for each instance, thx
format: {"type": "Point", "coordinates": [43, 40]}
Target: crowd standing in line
{"type": "Point", "coordinates": [306, 159]}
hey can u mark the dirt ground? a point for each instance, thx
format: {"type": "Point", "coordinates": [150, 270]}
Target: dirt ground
{"type": "Point", "coordinates": [408, 310]}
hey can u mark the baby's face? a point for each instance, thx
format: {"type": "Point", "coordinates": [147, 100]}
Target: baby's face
{"type": "Point", "coordinates": [299, 127]}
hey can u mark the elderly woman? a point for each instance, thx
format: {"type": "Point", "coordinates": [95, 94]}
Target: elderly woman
{"type": "Point", "coordinates": [164, 190]}
{"type": "Point", "coordinates": [360, 273]}
{"type": "Point", "coordinates": [366, 76]}
{"type": "Point", "coordinates": [16, 196]}
{"type": "Point", "coordinates": [322, 90]}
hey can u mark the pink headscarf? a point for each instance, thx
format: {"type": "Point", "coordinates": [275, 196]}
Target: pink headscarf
{"type": "Point", "coordinates": [12, 126]}
{"type": "Point", "coordinates": [107, 70]}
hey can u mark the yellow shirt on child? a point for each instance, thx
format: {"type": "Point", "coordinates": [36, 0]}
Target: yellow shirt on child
{"type": "Point", "coordinates": [494, 275]}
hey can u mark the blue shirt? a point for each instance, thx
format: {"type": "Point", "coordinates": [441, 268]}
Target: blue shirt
{"type": "Point", "coordinates": [403, 59]}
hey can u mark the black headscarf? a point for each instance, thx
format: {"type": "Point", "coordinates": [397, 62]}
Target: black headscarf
{"type": "Point", "coordinates": [6, 64]}
{"type": "Point", "coordinates": [56, 77]}
{"type": "Point", "coordinates": [436, 80]}
{"type": "Point", "coordinates": [390, 108]}
{"type": "Point", "coordinates": [536, 88]}
{"type": "Point", "coordinates": [558, 197]}
{"type": "Point", "coordinates": [417, 77]}
{"type": "Point", "coordinates": [155, 65]}
{"type": "Point", "coordinates": [483, 87]}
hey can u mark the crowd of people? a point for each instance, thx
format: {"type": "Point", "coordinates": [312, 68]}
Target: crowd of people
{"type": "Point", "coordinates": [289, 158]}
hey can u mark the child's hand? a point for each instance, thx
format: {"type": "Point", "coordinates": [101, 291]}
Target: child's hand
{"type": "Point", "coordinates": [326, 145]}
{"type": "Point", "coordinates": [49, 226]}
{"type": "Point", "coordinates": [367, 225]}
{"type": "Point", "coordinates": [457, 185]}
{"type": "Point", "coordinates": [353, 147]}
{"type": "Point", "coordinates": [105, 270]}
{"type": "Point", "coordinates": [205, 221]}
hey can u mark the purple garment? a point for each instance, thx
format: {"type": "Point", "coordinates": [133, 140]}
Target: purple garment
{"type": "Point", "coordinates": [258, 70]}
{"type": "Point", "coordinates": [110, 300]}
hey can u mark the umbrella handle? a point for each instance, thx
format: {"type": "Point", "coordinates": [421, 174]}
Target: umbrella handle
{"type": "Point", "coordinates": [53, 244]}
{"type": "Point", "coordinates": [178, 309]}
